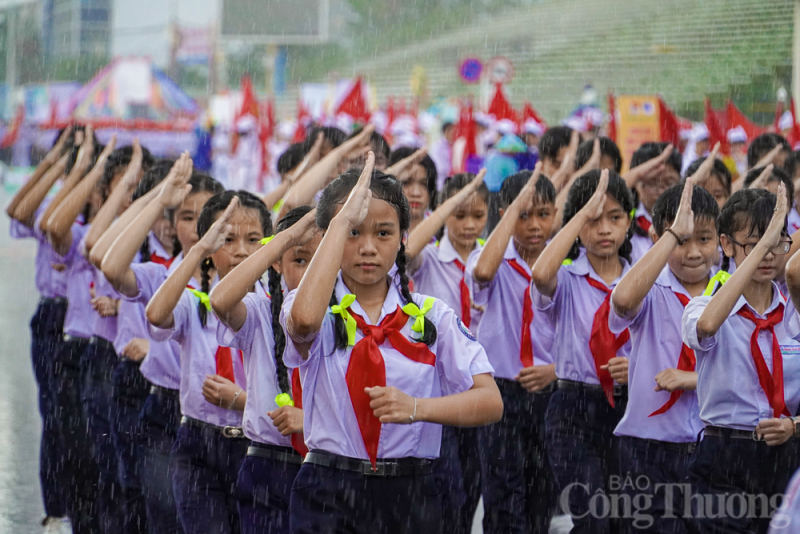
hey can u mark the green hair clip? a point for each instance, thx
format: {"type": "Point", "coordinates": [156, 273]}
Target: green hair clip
{"type": "Point", "coordinates": [349, 321]}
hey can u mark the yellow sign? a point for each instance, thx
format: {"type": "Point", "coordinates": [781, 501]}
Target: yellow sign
{"type": "Point", "coordinates": [638, 123]}
{"type": "Point", "coordinates": [419, 81]}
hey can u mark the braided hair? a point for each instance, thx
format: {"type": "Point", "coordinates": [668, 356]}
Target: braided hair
{"type": "Point", "coordinates": [276, 302]}
{"type": "Point", "coordinates": [384, 187]}
{"type": "Point", "coordinates": [747, 209]}
{"type": "Point", "coordinates": [579, 195]}
{"type": "Point", "coordinates": [208, 216]}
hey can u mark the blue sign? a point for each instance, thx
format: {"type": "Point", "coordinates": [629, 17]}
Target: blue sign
{"type": "Point", "coordinates": [470, 70]}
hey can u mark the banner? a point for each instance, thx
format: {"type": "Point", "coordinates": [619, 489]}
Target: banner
{"type": "Point", "coordinates": [638, 123]}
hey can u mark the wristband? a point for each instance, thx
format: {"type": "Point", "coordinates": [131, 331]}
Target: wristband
{"type": "Point", "coordinates": [230, 407]}
{"type": "Point", "coordinates": [680, 240]}
{"type": "Point", "coordinates": [412, 418]}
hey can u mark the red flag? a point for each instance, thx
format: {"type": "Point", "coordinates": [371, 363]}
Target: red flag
{"type": "Point", "coordinates": [529, 113]}
{"type": "Point", "coordinates": [249, 102]}
{"type": "Point", "coordinates": [303, 116]}
{"type": "Point", "coordinates": [716, 129]}
{"type": "Point", "coordinates": [737, 118]}
{"type": "Point", "coordinates": [13, 132]}
{"type": "Point", "coordinates": [391, 115]}
{"type": "Point", "coordinates": [500, 107]}
{"type": "Point", "coordinates": [354, 104]}
{"type": "Point", "coordinates": [612, 124]}
{"type": "Point", "coordinates": [466, 128]}
{"type": "Point", "coordinates": [794, 135]}
{"type": "Point", "coordinates": [778, 114]}
{"type": "Point", "coordinates": [669, 124]}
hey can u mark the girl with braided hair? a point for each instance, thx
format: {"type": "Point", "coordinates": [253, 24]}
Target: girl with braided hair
{"type": "Point", "coordinates": [249, 322]}
{"type": "Point", "coordinates": [382, 369]}
{"type": "Point", "coordinates": [210, 444]}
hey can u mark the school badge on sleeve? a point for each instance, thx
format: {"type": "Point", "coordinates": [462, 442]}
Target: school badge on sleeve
{"type": "Point", "coordinates": [466, 331]}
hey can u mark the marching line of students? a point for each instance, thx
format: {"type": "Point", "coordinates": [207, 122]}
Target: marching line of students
{"type": "Point", "coordinates": [376, 366]}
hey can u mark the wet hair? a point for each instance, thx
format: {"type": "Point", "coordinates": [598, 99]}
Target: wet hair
{"type": "Point", "coordinates": [666, 207]}
{"type": "Point", "coordinates": [553, 140]}
{"type": "Point", "coordinates": [153, 176]}
{"type": "Point", "coordinates": [719, 170]}
{"type": "Point", "coordinates": [607, 148]}
{"type": "Point", "coordinates": [120, 159]}
{"type": "Point", "coordinates": [649, 151]}
{"type": "Point", "coordinates": [777, 175]}
{"type": "Point", "coordinates": [201, 183]}
{"type": "Point", "coordinates": [747, 209]}
{"type": "Point", "coordinates": [446, 126]}
{"type": "Point", "coordinates": [763, 144]}
{"type": "Point", "coordinates": [457, 182]}
{"type": "Point", "coordinates": [276, 301]}
{"type": "Point", "coordinates": [387, 188]}
{"type": "Point", "coordinates": [512, 186]}
{"type": "Point", "coordinates": [427, 164]}
{"type": "Point", "coordinates": [378, 142]}
{"type": "Point", "coordinates": [334, 136]}
{"type": "Point", "coordinates": [580, 193]}
{"type": "Point", "coordinates": [291, 158]}
{"type": "Point", "coordinates": [208, 216]}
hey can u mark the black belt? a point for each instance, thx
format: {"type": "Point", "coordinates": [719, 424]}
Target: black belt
{"type": "Point", "coordinates": [733, 433]}
{"type": "Point", "coordinates": [232, 432]}
{"type": "Point", "coordinates": [572, 384]}
{"type": "Point", "coordinates": [49, 301]}
{"type": "Point", "coordinates": [74, 339]}
{"type": "Point", "coordinates": [683, 448]}
{"type": "Point", "coordinates": [549, 388]}
{"type": "Point", "coordinates": [400, 467]}
{"type": "Point", "coordinates": [102, 342]}
{"type": "Point", "coordinates": [273, 452]}
{"type": "Point", "coordinates": [166, 393]}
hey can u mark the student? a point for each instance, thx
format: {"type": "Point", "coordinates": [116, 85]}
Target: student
{"type": "Point", "coordinates": [210, 445]}
{"type": "Point", "coordinates": [657, 434]}
{"type": "Point", "coordinates": [740, 332]}
{"type": "Point", "coordinates": [249, 322]}
{"type": "Point", "coordinates": [766, 143]}
{"type": "Point", "coordinates": [419, 184]}
{"type": "Point", "coordinates": [137, 283]}
{"type": "Point", "coordinates": [333, 137]}
{"type": "Point", "coordinates": [769, 178]}
{"type": "Point", "coordinates": [439, 270]}
{"type": "Point", "coordinates": [590, 361]}
{"type": "Point", "coordinates": [47, 323]}
{"type": "Point", "coordinates": [718, 180]}
{"type": "Point", "coordinates": [89, 505]}
{"type": "Point", "coordinates": [647, 187]}
{"type": "Point", "coordinates": [417, 364]}
{"type": "Point", "coordinates": [518, 487]}
{"type": "Point", "coordinates": [378, 145]}
{"type": "Point", "coordinates": [610, 156]}
{"type": "Point", "coordinates": [553, 147]}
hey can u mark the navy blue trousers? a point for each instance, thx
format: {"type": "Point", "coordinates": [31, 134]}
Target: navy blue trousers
{"type": "Point", "coordinates": [519, 493]}
{"type": "Point", "coordinates": [263, 489]}
{"type": "Point", "coordinates": [160, 419]}
{"type": "Point", "coordinates": [75, 446]}
{"type": "Point", "coordinates": [583, 454]}
{"type": "Point", "coordinates": [130, 389]}
{"type": "Point", "coordinates": [737, 484]}
{"type": "Point", "coordinates": [97, 368]}
{"type": "Point", "coordinates": [326, 500]}
{"type": "Point", "coordinates": [47, 326]}
{"type": "Point", "coordinates": [458, 474]}
{"type": "Point", "coordinates": [654, 480]}
{"type": "Point", "coordinates": [206, 466]}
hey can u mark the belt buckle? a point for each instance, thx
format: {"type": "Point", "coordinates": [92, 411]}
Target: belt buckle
{"type": "Point", "coordinates": [755, 437]}
{"type": "Point", "coordinates": [692, 448]}
{"type": "Point", "coordinates": [617, 391]}
{"type": "Point", "coordinates": [379, 471]}
{"type": "Point", "coordinates": [232, 432]}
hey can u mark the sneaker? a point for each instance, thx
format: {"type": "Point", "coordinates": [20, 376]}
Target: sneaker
{"type": "Point", "coordinates": [56, 525]}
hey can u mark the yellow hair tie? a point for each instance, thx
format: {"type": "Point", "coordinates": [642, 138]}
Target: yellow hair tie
{"type": "Point", "coordinates": [278, 205]}
{"type": "Point", "coordinates": [284, 399]}
{"type": "Point", "coordinates": [202, 296]}
{"type": "Point", "coordinates": [413, 311]}
{"type": "Point", "coordinates": [349, 321]}
{"type": "Point", "coordinates": [567, 262]}
{"type": "Point", "coordinates": [633, 213]}
{"type": "Point", "coordinates": [720, 278]}
{"type": "Point", "coordinates": [481, 241]}
{"type": "Point", "coordinates": [267, 239]}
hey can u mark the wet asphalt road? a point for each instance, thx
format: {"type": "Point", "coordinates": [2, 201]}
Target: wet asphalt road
{"type": "Point", "coordinates": [20, 426]}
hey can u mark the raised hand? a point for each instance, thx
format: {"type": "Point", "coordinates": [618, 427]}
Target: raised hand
{"type": "Point", "coordinates": [55, 152]}
{"type": "Point", "coordinates": [684, 218]}
{"type": "Point", "coordinates": [772, 236]}
{"type": "Point", "coordinates": [87, 148]}
{"type": "Point", "coordinates": [769, 157]}
{"type": "Point", "coordinates": [761, 181]}
{"type": "Point", "coordinates": [356, 207]}
{"type": "Point", "coordinates": [704, 170]}
{"type": "Point", "coordinates": [649, 169]}
{"type": "Point", "coordinates": [305, 229]}
{"type": "Point", "coordinates": [176, 186]}
{"type": "Point", "coordinates": [594, 208]}
{"type": "Point", "coordinates": [356, 147]}
{"type": "Point", "coordinates": [132, 174]}
{"type": "Point", "coordinates": [402, 165]}
{"type": "Point", "coordinates": [214, 239]}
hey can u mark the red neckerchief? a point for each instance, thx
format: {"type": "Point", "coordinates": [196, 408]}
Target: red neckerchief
{"type": "Point", "coordinates": [466, 301]}
{"type": "Point", "coordinates": [603, 344]}
{"type": "Point", "coordinates": [298, 440]}
{"type": "Point", "coordinates": [367, 369]}
{"type": "Point", "coordinates": [166, 262]}
{"type": "Point", "coordinates": [644, 223]}
{"type": "Point", "coordinates": [772, 384]}
{"type": "Point", "coordinates": [526, 345]}
{"type": "Point", "coordinates": [686, 362]}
